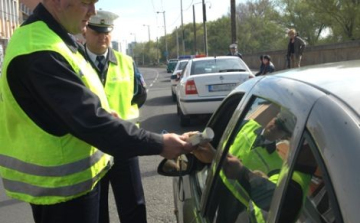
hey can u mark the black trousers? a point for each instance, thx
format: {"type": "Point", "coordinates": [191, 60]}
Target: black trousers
{"type": "Point", "coordinates": [125, 180]}
{"type": "Point", "coordinates": [84, 209]}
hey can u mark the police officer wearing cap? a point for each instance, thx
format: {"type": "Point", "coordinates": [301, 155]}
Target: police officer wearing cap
{"type": "Point", "coordinates": [234, 50]}
{"type": "Point", "coordinates": [54, 114]}
{"type": "Point", "coordinates": [117, 73]}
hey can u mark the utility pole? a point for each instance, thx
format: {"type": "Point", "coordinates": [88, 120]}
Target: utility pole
{"type": "Point", "coordinates": [157, 50]}
{"type": "Point", "coordinates": [233, 21]}
{"type": "Point", "coordinates": [177, 42]}
{"type": "Point", "coordinates": [205, 30]}
{"type": "Point", "coordinates": [166, 48]}
{"type": "Point", "coordinates": [194, 21]}
{"type": "Point", "coordinates": [182, 29]}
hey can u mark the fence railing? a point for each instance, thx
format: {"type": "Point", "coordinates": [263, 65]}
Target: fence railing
{"type": "Point", "coordinates": [312, 55]}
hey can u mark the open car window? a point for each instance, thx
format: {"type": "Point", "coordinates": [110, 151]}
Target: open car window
{"type": "Point", "coordinates": [251, 163]}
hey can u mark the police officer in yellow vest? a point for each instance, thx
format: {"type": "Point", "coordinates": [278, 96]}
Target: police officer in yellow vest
{"type": "Point", "coordinates": [117, 73]}
{"type": "Point", "coordinates": [54, 114]}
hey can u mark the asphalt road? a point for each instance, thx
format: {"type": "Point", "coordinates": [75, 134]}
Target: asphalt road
{"type": "Point", "coordinates": [157, 114]}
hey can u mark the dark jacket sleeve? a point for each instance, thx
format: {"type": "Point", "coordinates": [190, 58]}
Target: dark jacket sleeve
{"type": "Point", "coordinates": [52, 95]}
{"type": "Point", "coordinates": [301, 44]}
{"type": "Point", "coordinates": [140, 92]}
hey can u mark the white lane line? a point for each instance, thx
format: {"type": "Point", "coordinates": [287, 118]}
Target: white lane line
{"type": "Point", "coordinates": [153, 82]}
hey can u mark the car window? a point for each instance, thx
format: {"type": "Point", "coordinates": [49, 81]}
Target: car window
{"type": "Point", "coordinates": [308, 195]}
{"type": "Point", "coordinates": [253, 157]}
{"type": "Point", "coordinates": [182, 65]}
{"type": "Point", "coordinates": [217, 65]}
{"type": "Point", "coordinates": [218, 123]}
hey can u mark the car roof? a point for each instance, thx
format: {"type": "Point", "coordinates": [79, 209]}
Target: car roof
{"type": "Point", "coordinates": [339, 79]}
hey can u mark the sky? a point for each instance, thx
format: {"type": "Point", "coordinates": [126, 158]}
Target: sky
{"type": "Point", "coordinates": [137, 17]}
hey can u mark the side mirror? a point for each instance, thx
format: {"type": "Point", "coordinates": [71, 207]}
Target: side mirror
{"type": "Point", "coordinates": [180, 166]}
{"type": "Point", "coordinates": [178, 76]}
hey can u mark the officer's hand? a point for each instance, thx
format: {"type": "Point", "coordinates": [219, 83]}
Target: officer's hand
{"type": "Point", "coordinates": [175, 145]}
{"type": "Point", "coordinates": [205, 153]}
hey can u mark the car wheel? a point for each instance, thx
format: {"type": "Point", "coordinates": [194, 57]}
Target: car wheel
{"type": "Point", "coordinates": [184, 119]}
{"type": "Point", "coordinates": [173, 96]}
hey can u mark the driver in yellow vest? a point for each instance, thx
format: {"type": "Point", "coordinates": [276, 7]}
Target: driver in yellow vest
{"type": "Point", "coordinates": [54, 114]}
{"type": "Point", "coordinates": [251, 170]}
{"type": "Point", "coordinates": [118, 75]}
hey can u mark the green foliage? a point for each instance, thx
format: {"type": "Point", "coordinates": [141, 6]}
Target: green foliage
{"type": "Point", "coordinates": [258, 27]}
{"type": "Point", "coordinates": [219, 36]}
{"type": "Point", "coordinates": [343, 17]}
{"type": "Point", "coordinates": [261, 25]}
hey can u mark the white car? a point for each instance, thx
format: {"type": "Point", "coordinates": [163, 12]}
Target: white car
{"type": "Point", "coordinates": [175, 77]}
{"type": "Point", "coordinates": [205, 82]}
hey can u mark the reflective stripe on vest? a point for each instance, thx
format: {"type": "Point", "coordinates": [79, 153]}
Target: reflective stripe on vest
{"type": "Point", "coordinates": [65, 191]}
{"type": "Point", "coordinates": [119, 87]}
{"type": "Point", "coordinates": [50, 171]}
{"type": "Point", "coordinates": [35, 166]}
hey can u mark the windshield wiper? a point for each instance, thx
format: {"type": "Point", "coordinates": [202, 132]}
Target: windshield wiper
{"type": "Point", "coordinates": [231, 70]}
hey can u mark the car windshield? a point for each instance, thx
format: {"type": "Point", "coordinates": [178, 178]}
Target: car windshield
{"type": "Point", "coordinates": [182, 65]}
{"type": "Point", "coordinates": [215, 65]}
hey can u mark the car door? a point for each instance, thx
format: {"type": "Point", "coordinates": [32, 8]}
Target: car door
{"type": "Point", "coordinates": [188, 190]}
{"type": "Point", "coordinates": [250, 164]}
{"type": "Point", "coordinates": [329, 151]}
{"type": "Point", "coordinates": [313, 199]}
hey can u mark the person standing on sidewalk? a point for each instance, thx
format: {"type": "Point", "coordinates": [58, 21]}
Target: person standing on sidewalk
{"type": "Point", "coordinates": [234, 51]}
{"type": "Point", "coordinates": [296, 48]}
{"type": "Point", "coordinates": [117, 74]}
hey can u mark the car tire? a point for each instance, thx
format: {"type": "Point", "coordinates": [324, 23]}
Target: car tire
{"type": "Point", "coordinates": [184, 119]}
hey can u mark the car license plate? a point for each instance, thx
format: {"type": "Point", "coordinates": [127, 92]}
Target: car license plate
{"type": "Point", "coordinates": [221, 87]}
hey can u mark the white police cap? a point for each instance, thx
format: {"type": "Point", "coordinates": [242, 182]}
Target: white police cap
{"type": "Point", "coordinates": [233, 46]}
{"type": "Point", "coordinates": [103, 21]}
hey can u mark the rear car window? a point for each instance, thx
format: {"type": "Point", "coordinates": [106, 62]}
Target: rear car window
{"type": "Point", "coordinates": [214, 65]}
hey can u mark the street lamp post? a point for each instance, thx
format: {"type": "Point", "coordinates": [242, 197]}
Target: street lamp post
{"type": "Point", "coordinates": [204, 26]}
{"type": "Point", "coordinates": [166, 48]}
{"type": "Point", "coordinates": [133, 48]}
{"type": "Point", "coordinates": [205, 30]}
{"type": "Point", "coordinates": [148, 31]}
{"type": "Point", "coordinates": [182, 29]}
{"type": "Point", "coordinates": [148, 26]}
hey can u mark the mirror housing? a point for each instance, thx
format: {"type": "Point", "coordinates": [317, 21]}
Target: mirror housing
{"type": "Point", "coordinates": [178, 76]}
{"type": "Point", "coordinates": [171, 167]}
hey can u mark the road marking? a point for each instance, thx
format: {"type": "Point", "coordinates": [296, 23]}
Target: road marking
{"type": "Point", "coordinates": [153, 82]}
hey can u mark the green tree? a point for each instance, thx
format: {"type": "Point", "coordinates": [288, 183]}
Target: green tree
{"type": "Point", "coordinates": [258, 27]}
{"type": "Point", "coordinates": [301, 16]}
{"type": "Point", "coordinates": [219, 36]}
{"type": "Point", "coordinates": [343, 15]}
